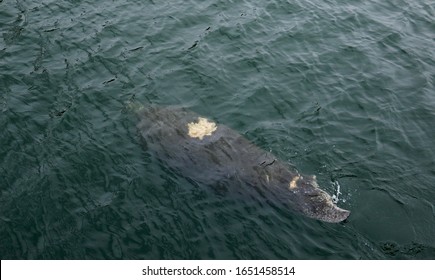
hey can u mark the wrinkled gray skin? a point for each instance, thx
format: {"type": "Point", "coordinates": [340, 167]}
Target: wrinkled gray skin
{"type": "Point", "coordinates": [228, 156]}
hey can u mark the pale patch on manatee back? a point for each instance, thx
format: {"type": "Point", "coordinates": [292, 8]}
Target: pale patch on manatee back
{"type": "Point", "coordinates": [201, 128]}
{"type": "Point", "coordinates": [293, 182]}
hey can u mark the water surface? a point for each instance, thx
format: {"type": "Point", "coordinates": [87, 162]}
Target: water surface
{"type": "Point", "coordinates": [341, 90]}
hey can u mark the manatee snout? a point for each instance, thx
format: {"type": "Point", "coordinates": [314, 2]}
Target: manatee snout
{"type": "Point", "coordinates": [322, 208]}
{"type": "Point", "coordinates": [316, 203]}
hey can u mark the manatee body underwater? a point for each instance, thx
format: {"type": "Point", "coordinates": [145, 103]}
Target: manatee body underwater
{"type": "Point", "coordinates": [207, 152]}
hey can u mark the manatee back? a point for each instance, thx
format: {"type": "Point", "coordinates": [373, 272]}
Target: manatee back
{"type": "Point", "coordinates": [212, 157]}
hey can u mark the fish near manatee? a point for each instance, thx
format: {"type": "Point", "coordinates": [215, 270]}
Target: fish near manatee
{"type": "Point", "coordinates": [207, 152]}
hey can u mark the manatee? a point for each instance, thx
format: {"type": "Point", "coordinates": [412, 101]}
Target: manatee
{"type": "Point", "coordinates": [207, 153]}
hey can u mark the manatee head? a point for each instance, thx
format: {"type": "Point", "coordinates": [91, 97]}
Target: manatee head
{"type": "Point", "coordinates": [313, 202]}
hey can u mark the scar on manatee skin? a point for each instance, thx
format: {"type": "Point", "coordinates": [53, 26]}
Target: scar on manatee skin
{"type": "Point", "coordinates": [293, 182]}
{"type": "Point", "coordinates": [201, 128]}
{"type": "Point", "coordinates": [270, 163]}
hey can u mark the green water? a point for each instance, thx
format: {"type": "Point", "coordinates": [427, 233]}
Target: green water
{"type": "Point", "coordinates": [341, 89]}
